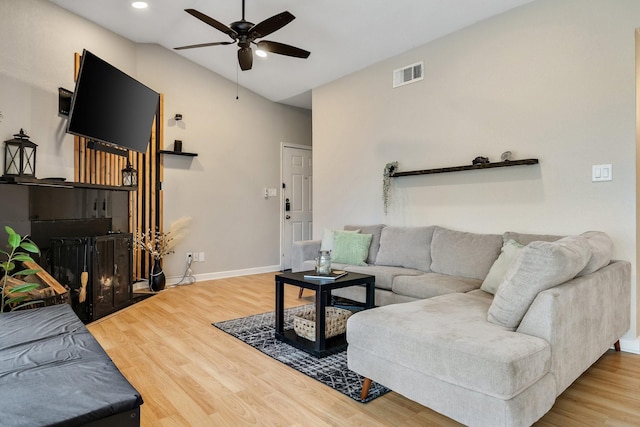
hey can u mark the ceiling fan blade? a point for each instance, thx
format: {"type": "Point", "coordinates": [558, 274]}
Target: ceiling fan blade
{"type": "Point", "coordinates": [283, 49]}
{"type": "Point", "coordinates": [215, 24]}
{"type": "Point", "coordinates": [191, 46]}
{"type": "Point", "coordinates": [245, 58]}
{"type": "Point", "coordinates": [270, 25]}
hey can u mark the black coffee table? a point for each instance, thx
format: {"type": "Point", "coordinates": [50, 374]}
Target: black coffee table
{"type": "Point", "coordinates": [322, 346]}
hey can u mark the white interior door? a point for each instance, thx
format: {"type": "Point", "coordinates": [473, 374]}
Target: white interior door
{"type": "Point", "coordinates": [296, 198]}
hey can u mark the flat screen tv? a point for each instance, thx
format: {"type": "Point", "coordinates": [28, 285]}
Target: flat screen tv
{"type": "Point", "coordinates": [111, 107]}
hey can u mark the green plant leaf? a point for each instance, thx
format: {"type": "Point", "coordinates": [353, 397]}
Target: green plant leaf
{"type": "Point", "coordinates": [15, 300]}
{"type": "Point", "coordinates": [22, 257]}
{"type": "Point", "coordinates": [26, 272]}
{"type": "Point", "coordinates": [9, 230]}
{"type": "Point", "coordinates": [14, 240]}
{"type": "Point", "coordinates": [26, 304]}
{"type": "Point", "coordinates": [24, 288]}
{"type": "Point", "coordinates": [30, 247]}
{"type": "Point", "coordinates": [8, 266]}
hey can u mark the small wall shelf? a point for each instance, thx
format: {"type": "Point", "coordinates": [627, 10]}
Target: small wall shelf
{"type": "Point", "coordinates": [178, 153]}
{"type": "Point", "coordinates": [468, 167]}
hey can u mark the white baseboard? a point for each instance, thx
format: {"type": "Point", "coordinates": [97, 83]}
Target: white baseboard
{"type": "Point", "coordinates": [227, 274]}
{"type": "Point", "coordinates": [630, 345]}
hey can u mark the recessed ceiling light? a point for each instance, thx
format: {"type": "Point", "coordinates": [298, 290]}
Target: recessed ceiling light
{"type": "Point", "coordinates": [139, 4]}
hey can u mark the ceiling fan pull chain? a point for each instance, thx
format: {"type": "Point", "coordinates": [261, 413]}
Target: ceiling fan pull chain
{"type": "Point", "coordinates": [237, 84]}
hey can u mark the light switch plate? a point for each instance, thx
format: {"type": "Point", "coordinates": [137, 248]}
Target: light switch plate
{"type": "Point", "coordinates": [601, 173]}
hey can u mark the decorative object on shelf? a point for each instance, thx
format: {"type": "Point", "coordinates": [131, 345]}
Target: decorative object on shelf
{"type": "Point", "coordinates": [177, 117]}
{"type": "Point", "coordinates": [480, 160]}
{"type": "Point", "coordinates": [177, 146]}
{"type": "Point", "coordinates": [157, 279]}
{"type": "Point", "coordinates": [20, 156]}
{"type": "Point", "coordinates": [129, 176]}
{"type": "Point", "coordinates": [389, 171]}
{"type": "Point", "coordinates": [506, 156]}
{"type": "Point", "coordinates": [304, 324]}
{"type": "Point", "coordinates": [19, 249]}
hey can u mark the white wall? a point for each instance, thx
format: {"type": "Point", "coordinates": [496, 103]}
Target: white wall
{"type": "Point", "coordinates": [554, 80]}
{"type": "Point", "coordinates": [238, 141]}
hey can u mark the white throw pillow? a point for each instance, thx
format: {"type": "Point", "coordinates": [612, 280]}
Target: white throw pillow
{"type": "Point", "coordinates": [509, 252]}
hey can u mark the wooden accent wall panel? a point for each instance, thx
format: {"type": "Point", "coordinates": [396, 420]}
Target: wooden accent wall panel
{"type": "Point", "coordinates": [145, 203]}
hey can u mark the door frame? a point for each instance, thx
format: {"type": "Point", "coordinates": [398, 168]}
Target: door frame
{"type": "Point", "coordinates": [281, 210]}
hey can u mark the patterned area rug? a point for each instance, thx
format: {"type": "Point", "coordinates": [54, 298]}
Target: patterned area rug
{"type": "Point", "coordinates": [258, 332]}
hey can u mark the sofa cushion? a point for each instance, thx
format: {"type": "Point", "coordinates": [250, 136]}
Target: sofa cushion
{"type": "Point", "coordinates": [508, 254]}
{"type": "Point", "coordinates": [408, 247]}
{"type": "Point", "coordinates": [350, 248]}
{"type": "Point", "coordinates": [328, 238]}
{"type": "Point", "coordinates": [375, 231]}
{"type": "Point", "coordinates": [525, 239]}
{"type": "Point", "coordinates": [448, 338]}
{"type": "Point", "coordinates": [539, 266]}
{"type": "Point", "coordinates": [384, 275]}
{"type": "Point", "coordinates": [459, 253]}
{"type": "Point", "coordinates": [430, 285]}
{"type": "Point", "coordinates": [601, 251]}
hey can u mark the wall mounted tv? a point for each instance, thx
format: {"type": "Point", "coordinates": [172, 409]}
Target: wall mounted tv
{"type": "Point", "coordinates": [111, 107]}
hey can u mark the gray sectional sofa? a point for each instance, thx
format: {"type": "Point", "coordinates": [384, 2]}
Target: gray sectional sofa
{"type": "Point", "coordinates": [486, 329]}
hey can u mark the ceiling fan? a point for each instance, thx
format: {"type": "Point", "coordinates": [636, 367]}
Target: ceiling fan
{"type": "Point", "coordinates": [244, 33]}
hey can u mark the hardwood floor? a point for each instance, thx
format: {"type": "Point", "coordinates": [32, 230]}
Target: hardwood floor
{"type": "Point", "coordinates": [191, 374]}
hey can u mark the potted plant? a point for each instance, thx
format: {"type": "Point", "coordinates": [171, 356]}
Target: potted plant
{"type": "Point", "coordinates": [389, 169]}
{"type": "Point", "coordinates": [18, 250]}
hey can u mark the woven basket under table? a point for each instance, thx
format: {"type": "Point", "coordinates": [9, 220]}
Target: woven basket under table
{"type": "Point", "coordinates": [304, 324]}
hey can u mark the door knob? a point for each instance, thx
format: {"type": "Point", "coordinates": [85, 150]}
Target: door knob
{"type": "Point", "coordinates": [288, 217]}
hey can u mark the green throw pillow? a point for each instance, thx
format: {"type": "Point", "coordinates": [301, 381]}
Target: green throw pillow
{"type": "Point", "coordinates": [350, 248]}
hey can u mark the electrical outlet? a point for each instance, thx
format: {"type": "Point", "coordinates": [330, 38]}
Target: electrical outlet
{"type": "Point", "coordinates": [189, 257]}
{"type": "Point", "coordinates": [195, 257]}
{"type": "Point", "coordinates": [201, 256]}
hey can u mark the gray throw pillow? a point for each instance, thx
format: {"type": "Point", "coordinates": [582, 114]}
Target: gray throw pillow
{"type": "Point", "coordinates": [539, 266]}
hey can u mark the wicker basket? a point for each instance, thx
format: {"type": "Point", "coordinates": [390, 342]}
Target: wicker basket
{"type": "Point", "coordinates": [304, 324]}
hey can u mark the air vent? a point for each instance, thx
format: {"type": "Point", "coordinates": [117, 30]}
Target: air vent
{"type": "Point", "coordinates": [409, 74]}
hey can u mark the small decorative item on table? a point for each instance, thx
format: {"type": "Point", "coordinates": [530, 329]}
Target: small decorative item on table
{"type": "Point", "coordinates": [20, 156]}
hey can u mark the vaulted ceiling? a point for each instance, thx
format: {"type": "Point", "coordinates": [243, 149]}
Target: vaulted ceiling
{"type": "Point", "coordinates": [342, 36]}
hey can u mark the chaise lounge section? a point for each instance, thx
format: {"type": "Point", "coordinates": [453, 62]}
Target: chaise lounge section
{"type": "Point", "coordinates": [540, 311]}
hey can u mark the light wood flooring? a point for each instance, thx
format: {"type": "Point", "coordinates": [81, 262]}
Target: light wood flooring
{"type": "Point", "coordinates": [191, 374]}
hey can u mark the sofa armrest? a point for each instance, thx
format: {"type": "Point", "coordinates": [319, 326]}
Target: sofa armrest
{"type": "Point", "coordinates": [581, 319]}
{"type": "Point", "coordinates": [302, 251]}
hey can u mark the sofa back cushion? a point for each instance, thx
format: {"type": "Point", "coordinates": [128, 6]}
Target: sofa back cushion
{"type": "Point", "coordinates": [408, 247]}
{"type": "Point", "coordinates": [459, 253]}
{"type": "Point", "coordinates": [539, 266]}
{"type": "Point", "coordinates": [375, 231]}
{"type": "Point", "coordinates": [525, 238]}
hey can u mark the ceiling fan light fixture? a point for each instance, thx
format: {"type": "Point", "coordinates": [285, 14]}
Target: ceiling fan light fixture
{"type": "Point", "coordinates": [139, 4]}
{"type": "Point", "coordinates": [261, 53]}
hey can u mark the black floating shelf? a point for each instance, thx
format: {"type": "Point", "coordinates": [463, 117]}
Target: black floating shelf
{"type": "Point", "coordinates": [469, 167]}
{"type": "Point", "coordinates": [178, 153]}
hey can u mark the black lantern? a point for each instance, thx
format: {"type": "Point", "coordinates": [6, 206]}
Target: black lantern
{"type": "Point", "coordinates": [129, 176]}
{"type": "Point", "coordinates": [20, 156]}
